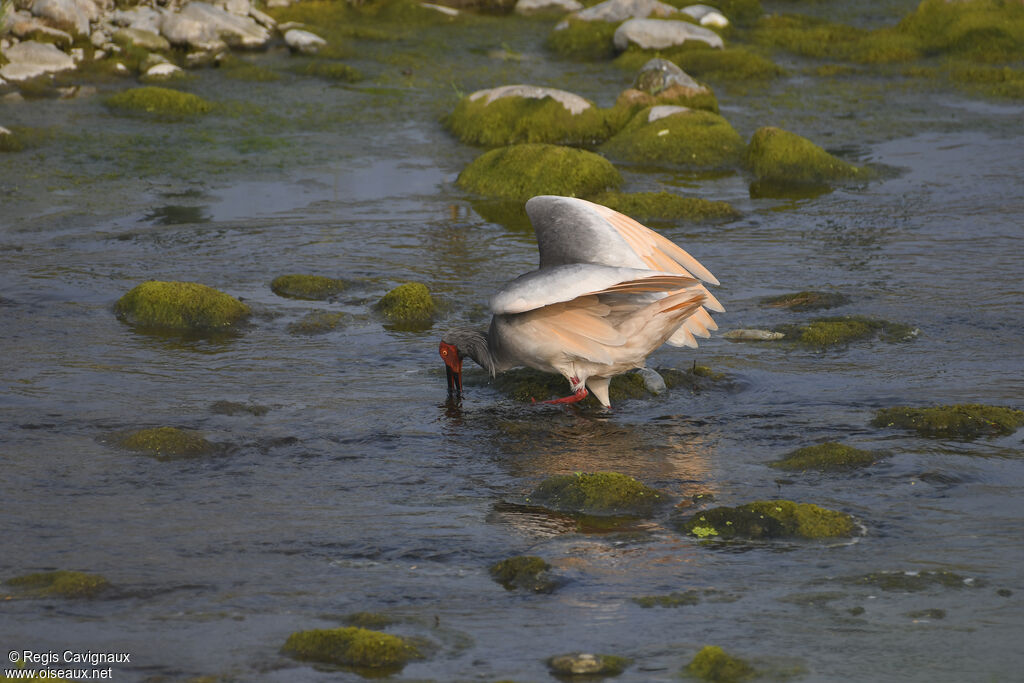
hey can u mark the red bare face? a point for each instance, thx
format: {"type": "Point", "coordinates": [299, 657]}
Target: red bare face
{"type": "Point", "coordinates": [453, 366]}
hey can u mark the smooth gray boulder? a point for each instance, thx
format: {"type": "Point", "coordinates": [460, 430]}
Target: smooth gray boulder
{"type": "Point", "coordinates": [706, 15]}
{"type": "Point", "coordinates": [205, 27]}
{"type": "Point", "coordinates": [572, 102]}
{"type": "Point", "coordinates": [140, 17]}
{"type": "Point", "coordinates": [27, 27]}
{"type": "Point", "coordinates": [29, 59]}
{"type": "Point", "coordinates": [304, 42]}
{"type": "Point", "coordinates": [620, 10]}
{"type": "Point", "coordinates": [658, 34]}
{"type": "Point", "coordinates": [71, 15]}
{"type": "Point", "coordinates": [531, 6]}
{"type": "Point", "coordinates": [141, 38]}
{"type": "Point", "coordinates": [660, 74]}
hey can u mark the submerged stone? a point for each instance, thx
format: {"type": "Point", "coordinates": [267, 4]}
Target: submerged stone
{"type": "Point", "coordinates": [523, 171]}
{"type": "Point", "coordinates": [915, 581]}
{"type": "Point", "coordinates": [313, 287]}
{"type": "Point", "coordinates": [409, 305]}
{"type": "Point", "coordinates": [666, 206]}
{"type": "Point", "coordinates": [598, 493]}
{"type": "Point", "coordinates": [960, 421]}
{"type": "Point", "coordinates": [821, 333]}
{"type": "Point", "coordinates": [712, 663]}
{"type": "Point", "coordinates": [59, 584]}
{"type": "Point", "coordinates": [678, 136]}
{"type": "Point", "coordinates": [351, 646]}
{"type": "Point", "coordinates": [826, 457]}
{"type": "Point", "coordinates": [371, 620]}
{"type": "Point", "coordinates": [586, 664]}
{"type": "Point", "coordinates": [690, 597]}
{"type": "Point", "coordinates": [806, 300]}
{"type": "Point", "coordinates": [769, 519]}
{"type": "Point", "coordinates": [779, 156]}
{"type": "Point", "coordinates": [525, 572]}
{"type": "Point", "coordinates": [166, 443]}
{"type": "Point", "coordinates": [186, 306]}
{"type": "Point", "coordinates": [157, 102]}
{"type": "Point", "coordinates": [317, 322]}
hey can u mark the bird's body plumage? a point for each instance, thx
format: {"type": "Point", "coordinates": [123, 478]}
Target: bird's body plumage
{"type": "Point", "coordinates": [607, 293]}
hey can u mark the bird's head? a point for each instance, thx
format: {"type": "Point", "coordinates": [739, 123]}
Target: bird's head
{"type": "Point", "coordinates": [452, 358]}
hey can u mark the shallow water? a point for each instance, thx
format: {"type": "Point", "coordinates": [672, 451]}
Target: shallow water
{"type": "Point", "coordinates": [359, 489]}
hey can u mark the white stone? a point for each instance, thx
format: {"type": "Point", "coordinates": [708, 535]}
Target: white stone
{"type": "Point", "coordinates": [65, 13]}
{"type": "Point", "coordinates": [657, 34]}
{"type": "Point", "coordinates": [450, 11]}
{"type": "Point", "coordinates": [34, 28]}
{"type": "Point", "coordinates": [78, 54]}
{"type": "Point", "coordinates": [574, 103]}
{"type": "Point", "coordinates": [239, 7]}
{"type": "Point", "coordinates": [653, 382]}
{"type": "Point", "coordinates": [663, 110]}
{"type": "Point", "coordinates": [4, 131]}
{"type": "Point", "coordinates": [621, 10]}
{"type": "Point", "coordinates": [141, 17]}
{"type": "Point", "coordinates": [278, 3]}
{"type": "Point", "coordinates": [98, 38]}
{"type": "Point", "coordinates": [531, 6]}
{"type": "Point", "coordinates": [202, 26]}
{"type": "Point", "coordinates": [706, 15]}
{"type": "Point", "coordinates": [753, 335]}
{"type": "Point", "coordinates": [303, 41]}
{"type": "Point", "coordinates": [29, 59]}
{"type": "Point", "coordinates": [142, 38]}
{"type": "Point", "coordinates": [163, 71]}
{"type": "Point", "coordinates": [262, 18]}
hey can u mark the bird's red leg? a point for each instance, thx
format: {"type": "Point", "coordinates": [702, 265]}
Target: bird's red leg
{"type": "Point", "coordinates": [580, 394]}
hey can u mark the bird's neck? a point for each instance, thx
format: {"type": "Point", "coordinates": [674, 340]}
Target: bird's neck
{"type": "Point", "coordinates": [477, 345]}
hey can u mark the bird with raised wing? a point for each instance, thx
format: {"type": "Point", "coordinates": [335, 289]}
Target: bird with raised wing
{"type": "Point", "coordinates": [607, 293]}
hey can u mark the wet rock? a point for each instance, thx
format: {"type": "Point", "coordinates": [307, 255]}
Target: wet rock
{"type": "Point", "coordinates": [235, 30]}
{"type": "Point", "coordinates": [822, 333]}
{"type": "Point", "coordinates": [690, 597]}
{"type": "Point", "coordinates": [140, 17]}
{"type": "Point", "coordinates": [598, 493]}
{"type": "Point", "coordinates": [29, 59]}
{"type": "Point", "coordinates": [586, 664]}
{"type": "Point", "coordinates": [31, 28]}
{"type": "Point", "coordinates": [159, 103]}
{"type": "Point", "coordinates": [312, 287]}
{"type": "Point", "coordinates": [660, 74]}
{"type": "Point", "coordinates": [914, 581]}
{"type": "Point", "coordinates": [408, 306]}
{"type": "Point", "coordinates": [138, 37]}
{"type": "Point", "coordinates": [616, 11]}
{"type": "Point", "coordinates": [769, 519]}
{"type": "Point", "coordinates": [70, 15]}
{"type": "Point", "coordinates": [666, 206]}
{"type": "Point", "coordinates": [653, 382]}
{"type": "Point", "coordinates": [166, 443]}
{"type": "Point", "coordinates": [514, 114]}
{"type": "Point", "coordinates": [660, 81]}
{"type": "Point", "coordinates": [658, 34]}
{"type": "Point", "coordinates": [317, 322]}
{"type": "Point", "coordinates": [706, 15]}
{"type": "Point", "coordinates": [806, 300]}
{"type": "Point", "coordinates": [263, 19]}
{"type": "Point", "coordinates": [524, 572]}
{"type": "Point", "coordinates": [960, 421]}
{"type": "Point", "coordinates": [678, 136]}
{"type": "Point", "coordinates": [753, 335]}
{"type": "Point", "coordinates": [535, 6]}
{"type": "Point", "coordinates": [304, 42]}
{"type": "Point", "coordinates": [60, 584]}
{"type": "Point", "coordinates": [712, 663]}
{"type": "Point", "coordinates": [523, 171]}
{"type": "Point", "coordinates": [351, 646]}
{"type": "Point", "coordinates": [185, 306]}
{"type": "Point", "coordinates": [779, 156]}
{"type": "Point", "coordinates": [827, 457]}
{"type": "Point", "coordinates": [163, 71]}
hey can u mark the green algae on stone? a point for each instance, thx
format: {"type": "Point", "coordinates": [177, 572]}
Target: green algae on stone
{"type": "Point", "coordinates": [690, 138]}
{"type": "Point", "coordinates": [244, 70]}
{"type": "Point", "coordinates": [351, 646]}
{"type": "Point", "coordinates": [821, 333]}
{"type": "Point", "coordinates": [690, 597]}
{"type": "Point", "coordinates": [598, 493]}
{"type": "Point", "coordinates": [666, 206]}
{"type": "Point", "coordinates": [769, 519]}
{"type": "Point", "coordinates": [512, 119]}
{"type": "Point", "coordinates": [186, 306]}
{"type": "Point", "coordinates": [588, 665]}
{"type": "Point", "coordinates": [408, 306]}
{"type": "Point", "coordinates": [60, 584]}
{"type": "Point", "coordinates": [712, 663]}
{"type": "Point", "coordinates": [528, 385]}
{"type": "Point", "coordinates": [583, 40]}
{"type": "Point", "coordinates": [980, 30]}
{"type": "Point", "coordinates": [161, 103]}
{"type": "Point", "coordinates": [960, 421]}
{"type": "Point", "coordinates": [990, 81]}
{"type": "Point", "coordinates": [806, 300]}
{"type": "Point", "coordinates": [330, 70]}
{"type": "Point", "coordinates": [633, 100]}
{"type": "Point", "coordinates": [780, 156]}
{"type": "Point", "coordinates": [826, 457]}
{"type": "Point", "coordinates": [313, 287]}
{"type": "Point", "coordinates": [317, 322]}
{"type": "Point", "coordinates": [915, 581]}
{"type": "Point", "coordinates": [166, 443]}
{"type": "Point", "coordinates": [524, 171]}
{"type": "Point", "coordinates": [526, 572]}
{"type": "Point", "coordinates": [731, 64]}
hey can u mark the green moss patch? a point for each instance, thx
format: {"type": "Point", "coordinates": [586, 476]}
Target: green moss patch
{"type": "Point", "coordinates": [244, 70]}
{"type": "Point", "coordinates": [980, 30]}
{"type": "Point", "coordinates": [666, 206]}
{"type": "Point", "coordinates": [313, 287]}
{"type": "Point", "coordinates": [961, 421]}
{"type": "Point", "coordinates": [712, 663]}
{"type": "Point", "coordinates": [821, 333]}
{"type": "Point", "coordinates": [408, 306]}
{"type": "Point", "coordinates": [59, 584]}
{"type": "Point", "coordinates": [524, 572]}
{"type": "Point", "coordinates": [779, 156]}
{"type": "Point", "coordinates": [826, 457]}
{"type": "Point", "coordinates": [157, 102]}
{"type": "Point", "coordinates": [769, 519]}
{"type": "Point", "coordinates": [371, 620]}
{"type": "Point", "coordinates": [524, 171]}
{"type": "Point", "coordinates": [914, 581]}
{"type": "Point", "coordinates": [686, 598]}
{"type": "Point", "coordinates": [693, 139]}
{"type": "Point", "coordinates": [598, 493]}
{"type": "Point", "coordinates": [632, 100]}
{"type": "Point", "coordinates": [586, 664]}
{"type": "Point", "coordinates": [180, 306]}
{"type": "Point", "coordinates": [167, 443]}
{"type": "Point", "coordinates": [351, 646]}
{"type": "Point", "coordinates": [990, 81]}
{"type": "Point", "coordinates": [22, 137]}
{"type": "Point", "coordinates": [730, 65]}
{"type": "Point", "coordinates": [317, 322]}
{"type": "Point", "coordinates": [330, 70]}
{"type": "Point", "coordinates": [583, 40]}
{"type": "Point", "coordinates": [806, 300]}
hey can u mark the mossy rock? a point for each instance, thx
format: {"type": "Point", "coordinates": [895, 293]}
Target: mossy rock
{"type": "Point", "coordinates": [583, 40]}
{"type": "Point", "coordinates": [666, 206]}
{"type": "Point", "coordinates": [989, 81]}
{"type": "Point", "coordinates": [712, 663]}
{"type": "Point", "coordinates": [696, 378]}
{"type": "Point", "coordinates": [351, 646]}
{"type": "Point", "coordinates": [157, 102]}
{"type": "Point", "coordinates": [167, 443]}
{"type": "Point", "coordinates": [312, 287]}
{"type": "Point", "coordinates": [826, 457]}
{"type": "Point", "coordinates": [408, 306]}
{"type": "Point", "coordinates": [59, 584]}
{"type": "Point", "coordinates": [769, 519]}
{"type": "Point", "coordinates": [524, 171]}
{"type": "Point", "coordinates": [807, 300]}
{"type": "Point", "coordinates": [822, 333]}
{"type": "Point", "coordinates": [686, 598]}
{"type": "Point", "coordinates": [729, 65]}
{"type": "Point", "coordinates": [598, 493]}
{"type": "Point", "coordinates": [778, 156]}
{"type": "Point", "coordinates": [243, 70]}
{"type": "Point", "coordinates": [330, 70]}
{"type": "Point", "coordinates": [186, 306]}
{"type": "Point", "coordinates": [317, 322]}
{"type": "Point", "coordinates": [508, 120]}
{"type": "Point", "coordinates": [631, 100]}
{"type": "Point", "coordinates": [528, 385]}
{"type": "Point", "coordinates": [915, 581]}
{"type": "Point", "coordinates": [960, 421]}
{"type": "Point", "coordinates": [586, 664]}
{"type": "Point", "coordinates": [980, 30]}
{"type": "Point", "coordinates": [524, 572]}
{"type": "Point", "coordinates": [692, 139]}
